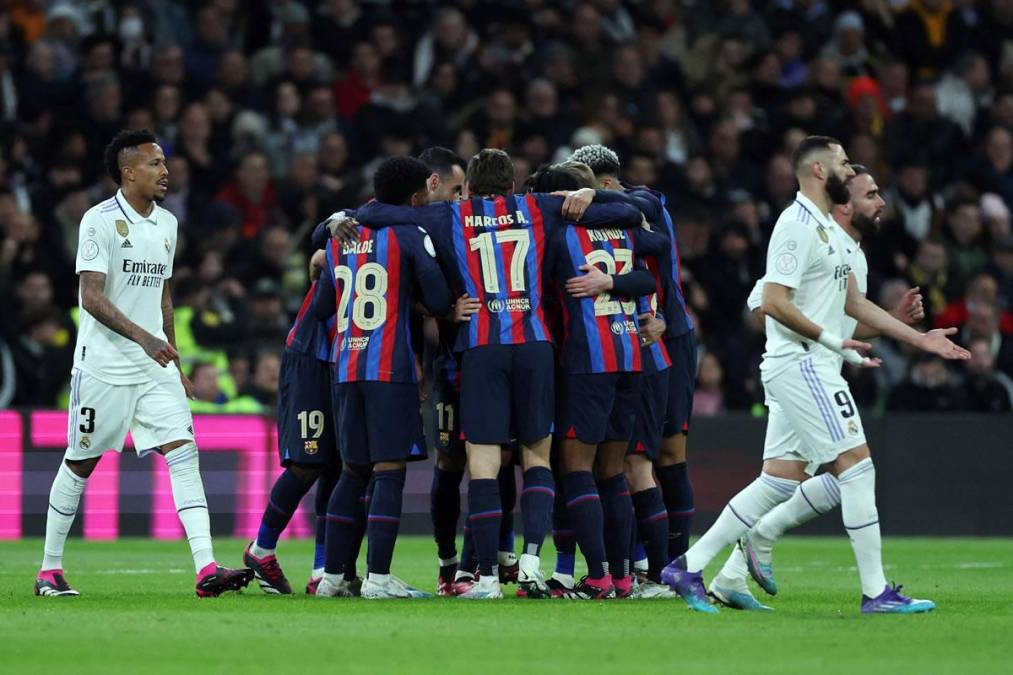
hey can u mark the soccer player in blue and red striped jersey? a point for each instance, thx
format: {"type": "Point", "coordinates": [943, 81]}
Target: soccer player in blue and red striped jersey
{"type": "Point", "coordinates": [370, 284]}
{"type": "Point", "coordinates": [493, 245]}
{"type": "Point", "coordinates": [599, 390]}
{"type": "Point", "coordinates": [305, 442]}
{"type": "Point", "coordinates": [680, 343]}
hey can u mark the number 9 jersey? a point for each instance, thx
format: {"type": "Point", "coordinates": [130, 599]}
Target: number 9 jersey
{"type": "Point", "coordinates": [369, 285]}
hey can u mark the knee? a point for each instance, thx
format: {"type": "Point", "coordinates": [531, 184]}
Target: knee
{"type": "Point", "coordinates": [360, 471]}
{"type": "Point", "coordinates": [82, 468]}
{"type": "Point", "coordinates": [305, 472]}
{"type": "Point", "coordinates": [673, 450]}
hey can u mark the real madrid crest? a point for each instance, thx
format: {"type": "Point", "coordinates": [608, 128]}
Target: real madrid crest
{"type": "Point", "coordinates": [820, 230]}
{"type": "Point", "coordinates": [121, 228]}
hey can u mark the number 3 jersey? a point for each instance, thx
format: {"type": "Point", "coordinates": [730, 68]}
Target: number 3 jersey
{"type": "Point", "coordinates": [494, 250]}
{"type": "Point", "coordinates": [369, 286]}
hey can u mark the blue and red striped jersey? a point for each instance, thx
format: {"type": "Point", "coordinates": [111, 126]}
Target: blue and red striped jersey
{"type": "Point", "coordinates": [668, 269]}
{"type": "Point", "coordinates": [654, 356]}
{"type": "Point", "coordinates": [601, 334]}
{"type": "Point", "coordinates": [310, 335]}
{"type": "Point", "coordinates": [494, 250]}
{"type": "Point", "coordinates": [369, 285]}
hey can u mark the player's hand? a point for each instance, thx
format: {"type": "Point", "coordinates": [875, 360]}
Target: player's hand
{"type": "Point", "coordinates": [593, 283]}
{"type": "Point", "coordinates": [343, 228]}
{"type": "Point", "coordinates": [936, 342]}
{"type": "Point", "coordinates": [854, 352]}
{"type": "Point", "coordinates": [464, 307]}
{"type": "Point", "coordinates": [187, 386]}
{"type": "Point", "coordinates": [576, 203]}
{"type": "Point", "coordinates": [161, 351]}
{"type": "Point", "coordinates": [651, 329]}
{"type": "Point", "coordinates": [317, 261]}
{"type": "Point", "coordinates": [910, 310]}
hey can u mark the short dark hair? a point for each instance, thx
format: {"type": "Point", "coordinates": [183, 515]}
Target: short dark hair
{"type": "Point", "coordinates": [807, 147]}
{"type": "Point", "coordinates": [441, 160]}
{"type": "Point", "coordinates": [398, 178]}
{"type": "Point", "coordinates": [490, 172]}
{"type": "Point", "coordinates": [860, 169]}
{"type": "Point", "coordinates": [550, 179]}
{"type": "Point", "coordinates": [115, 152]}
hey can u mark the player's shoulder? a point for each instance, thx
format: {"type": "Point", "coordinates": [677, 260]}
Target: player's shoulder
{"type": "Point", "coordinates": [415, 238]}
{"type": "Point", "coordinates": [797, 218]}
{"type": "Point", "coordinates": [164, 215]}
{"type": "Point", "coordinates": [104, 212]}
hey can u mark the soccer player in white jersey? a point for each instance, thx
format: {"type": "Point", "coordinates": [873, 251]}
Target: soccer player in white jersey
{"type": "Point", "coordinates": [808, 287]}
{"type": "Point", "coordinates": [126, 370]}
{"type": "Point", "coordinates": [820, 494]}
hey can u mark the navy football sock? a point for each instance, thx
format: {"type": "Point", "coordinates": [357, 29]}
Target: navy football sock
{"type": "Point", "coordinates": [618, 510]}
{"type": "Point", "coordinates": [469, 559]}
{"type": "Point", "coordinates": [508, 501]}
{"type": "Point", "coordinates": [677, 492]}
{"type": "Point", "coordinates": [286, 494]}
{"type": "Point", "coordinates": [484, 515]}
{"type": "Point", "coordinates": [325, 486]}
{"type": "Point", "coordinates": [536, 507]}
{"type": "Point", "coordinates": [343, 515]}
{"type": "Point", "coordinates": [587, 518]}
{"type": "Point", "coordinates": [652, 520]}
{"type": "Point", "coordinates": [360, 531]}
{"type": "Point", "coordinates": [445, 510]}
{"type": "Point", "coordinates": [562, 534]}
{"type": "Point", "coordinates": [384, 519]}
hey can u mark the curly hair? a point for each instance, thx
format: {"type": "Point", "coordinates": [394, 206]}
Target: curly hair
{"type": "Point", "coordinates": [602, 160]}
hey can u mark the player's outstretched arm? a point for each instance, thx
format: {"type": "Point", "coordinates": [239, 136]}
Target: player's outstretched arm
{"type": "Point", "coordinates": [95, 302]}
{"type": "Point", "coordinates": [909, 311]}
{"type": "Point", "coordinates": [777, 305]}
{"type": "Point", "coordinates": [878, 319]}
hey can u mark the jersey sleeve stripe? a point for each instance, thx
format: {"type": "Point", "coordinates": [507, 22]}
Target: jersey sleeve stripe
{"type": "Point", "coordinates": [392, 262]}
{"type": "Point", "coordinates": [536, 255]}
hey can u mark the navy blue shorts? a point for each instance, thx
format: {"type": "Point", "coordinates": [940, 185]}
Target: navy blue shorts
{"type": "Point", "coordinates": [598, 407]}
{"type": "Point", "coordinates": [681, 382]}
{"type": "Point", "coordinates": [446, 402]}
{"type": "Point", "coordinates": [306, 432]}
{"type": "Point", "coordinates": [651, 409]}
{"type": "Point", "coordinates": [378, 422]}
{"type": "Point", "coordinates": [507, 392]}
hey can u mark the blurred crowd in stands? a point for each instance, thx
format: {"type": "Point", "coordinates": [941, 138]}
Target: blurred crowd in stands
{"type": "Point", "coordinates": [274, 113]}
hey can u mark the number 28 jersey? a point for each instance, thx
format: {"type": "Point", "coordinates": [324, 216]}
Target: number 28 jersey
{"type": "Point", "coordinates": [494, 250]}
{"type": "Point", "coordinates": [369, 286]}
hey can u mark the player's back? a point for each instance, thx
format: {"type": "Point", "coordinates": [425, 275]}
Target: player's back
{"type": "Point", "coordinates": [310, 336]}
{"type": "Point", "coordinates": [374, 281]}
{"type": "Point", "coordinates": [499, 252]}
{"type": "Point", "coordinates": [135, 253]}
{"type": "Point", "coordinates": [601, 333]}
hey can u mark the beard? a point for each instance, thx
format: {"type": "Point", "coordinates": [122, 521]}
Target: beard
{"type": "Point", "coordinates": [865, 224]}
{"type": "Point", "coordinates": [837, 190]}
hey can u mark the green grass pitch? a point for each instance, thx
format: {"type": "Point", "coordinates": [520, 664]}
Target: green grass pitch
{"type": "Point", "coordinates": [138, 615]}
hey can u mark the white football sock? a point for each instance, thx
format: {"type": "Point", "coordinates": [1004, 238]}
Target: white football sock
{"type": "Point", "coordinates": [259, 552]}
{"type": "Point", "coordinates": [334, 579]}
{"type": "Point", "coordinates": [506, 558]}
{"type": "Point", "coordinates": [733, 574]}
{"type": "Point", "coordinates": [317, 572]}
{"type": "Point", "coordinates": [813, 497]}
{"type": "Point", "coordinates": [191, 504]}
{"type": "Point", "coordinates": [742, 512]}
{"type": "Point", "coordinates": [381, 579]}
{"type": "Point", "coordinates": [64, 498]}
{"type": "Point", "coordinates": [861, 520]}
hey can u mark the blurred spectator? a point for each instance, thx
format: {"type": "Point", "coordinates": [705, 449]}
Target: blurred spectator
{"type": "Point", "coordinates": [709, 398]}
{"type": "Point", "coordinates": [964, 240]}
{"type": "Point", "coordinates": [964, 91]}
{"type": "Point", "coordinates": [982, 289]}
{"type": "Point", "coordinates": [921, 34]}
{"type": "Point", "coordinates": [983, 324]}
{"type": "Point", "coordinates": [263, 384]}
{"type": "Point", "coordinates": [988, 390]}
{"type": "Point", "coordinates": [251, 192]}
{"type": "Point", "coordinates": [931, 387]}
{"type": "Point", "coordinates": [919, 126]}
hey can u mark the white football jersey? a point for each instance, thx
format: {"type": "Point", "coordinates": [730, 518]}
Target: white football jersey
{"type": "Point", "coordinates": [135, 253]}
{"type": "Point", "coordinates": [808, 254]}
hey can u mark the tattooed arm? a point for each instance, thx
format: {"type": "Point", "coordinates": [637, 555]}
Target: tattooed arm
{"type": "Point", "coordinates": [95, 302]}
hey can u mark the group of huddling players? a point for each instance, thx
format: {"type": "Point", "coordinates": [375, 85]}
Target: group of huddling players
{"type": "Point", "coordinates": [552, 328]}
{"type": "Point", "coordinates": [549, 331]}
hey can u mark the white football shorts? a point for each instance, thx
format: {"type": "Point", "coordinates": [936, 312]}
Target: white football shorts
{"type": "Point", "coordinates": [813, 417]}
{"type": "Point", "coordinates": [100, 415]}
